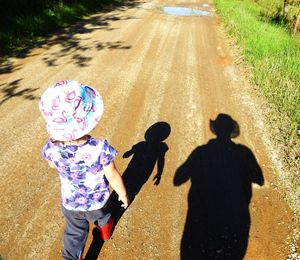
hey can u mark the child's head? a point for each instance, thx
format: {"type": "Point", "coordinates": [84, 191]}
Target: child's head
{"type": "Point", "coordinates": [71, 109]}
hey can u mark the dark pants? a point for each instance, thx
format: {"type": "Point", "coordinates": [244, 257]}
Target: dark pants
{"type": "Point", "coordinates": [77, 228]}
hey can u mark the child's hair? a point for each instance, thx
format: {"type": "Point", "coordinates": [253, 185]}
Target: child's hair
{"type": "Point", "coordinates": [71, 109]}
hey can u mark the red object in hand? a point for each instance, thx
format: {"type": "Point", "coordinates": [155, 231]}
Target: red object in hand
{"type": "Point", "coordinates": [105, 231]}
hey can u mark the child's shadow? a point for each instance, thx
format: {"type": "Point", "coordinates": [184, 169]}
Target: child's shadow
{"type": "Point", "coordinates": [145, 155]}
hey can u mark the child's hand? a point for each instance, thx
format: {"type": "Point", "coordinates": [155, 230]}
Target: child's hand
{"type": "Point", "coordinates": [127, 154]}
{"type": "Point", "coordinates": [125, 201]}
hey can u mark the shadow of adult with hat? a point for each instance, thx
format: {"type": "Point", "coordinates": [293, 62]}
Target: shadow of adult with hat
{"type": "Point", "coordinates": [221, 174]}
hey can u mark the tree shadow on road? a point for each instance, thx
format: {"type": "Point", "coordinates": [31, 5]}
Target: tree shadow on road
{"type": "Point", "coordinates": [221, 173]}
{"type": "Point", "coordinates": [72, 44]}
{"type": "Point", "coordinates": [145, 155]}
{"type": "Point", "coordinates": [15, 89]}
{"type": "Point", "coordinates": [71, 41]}
{"type": "Point", "coordinates": [73, 47]}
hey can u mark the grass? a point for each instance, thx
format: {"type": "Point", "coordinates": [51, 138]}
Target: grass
{"type": "Point", "coordinates": [273, 54]}
{"type": "Point", "coordinates": [19, 31]}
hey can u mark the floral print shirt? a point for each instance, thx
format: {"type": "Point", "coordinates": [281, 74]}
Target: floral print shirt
{"type": "Point", "coordinates": [80, 167]}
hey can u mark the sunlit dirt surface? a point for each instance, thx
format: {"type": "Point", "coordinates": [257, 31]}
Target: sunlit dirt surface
{"type": "Point", "coordinates": [150, 67]}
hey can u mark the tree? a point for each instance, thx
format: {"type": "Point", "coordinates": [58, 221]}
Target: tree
{"type": "Point", "coordinates": [297, 23]}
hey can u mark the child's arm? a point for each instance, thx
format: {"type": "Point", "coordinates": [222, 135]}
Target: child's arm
{"type": "Point", "coordinates": [114, 178]}
{"type": "Point", "coordinates": [128, 153]}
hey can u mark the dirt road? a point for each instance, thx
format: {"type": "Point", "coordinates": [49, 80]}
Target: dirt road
{"type": "Point", "coordinates": [150, 67]}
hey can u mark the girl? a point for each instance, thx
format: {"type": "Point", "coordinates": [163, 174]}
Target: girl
{"type": "Point", "coordinates": [85, 165]}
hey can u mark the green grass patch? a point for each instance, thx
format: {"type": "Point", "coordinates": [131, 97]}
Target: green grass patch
{"type": "Point", "coordinates": [22, 28]}
{"type": "Point", "coordinates": [273, 53]}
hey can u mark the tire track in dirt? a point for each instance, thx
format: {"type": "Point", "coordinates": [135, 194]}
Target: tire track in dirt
{"type": "Point", "coordinates": [175, 98]}
{"type": "Point", "coordinates": [21, 132]}
{"type": "Point", "coordinates": [153, 80]}
{"type": "Point", "coordinates": [39, 244]}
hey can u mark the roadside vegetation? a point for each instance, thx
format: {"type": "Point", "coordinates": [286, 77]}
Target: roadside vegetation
{"type": "Point", "coordinates": [269, 41]}
{"type": "Point", "coordinates": [23, 23]}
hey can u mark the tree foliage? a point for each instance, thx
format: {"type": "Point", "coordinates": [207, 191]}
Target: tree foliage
{"type": "Point", "coordinates": [281, 11]}
{"type": "Point", "coordinates": [9, 9]}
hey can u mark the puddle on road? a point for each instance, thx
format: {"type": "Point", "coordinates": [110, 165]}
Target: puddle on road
{"type": "Point", "coordinates": [185, 11]}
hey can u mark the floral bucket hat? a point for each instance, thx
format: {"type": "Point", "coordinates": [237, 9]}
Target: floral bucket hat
{"type": "Point", "coordinates": [71, 109]}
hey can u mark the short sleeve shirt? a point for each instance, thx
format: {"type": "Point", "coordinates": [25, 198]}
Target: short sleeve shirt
{"type": "Point", "coordinates": [83, 183]}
